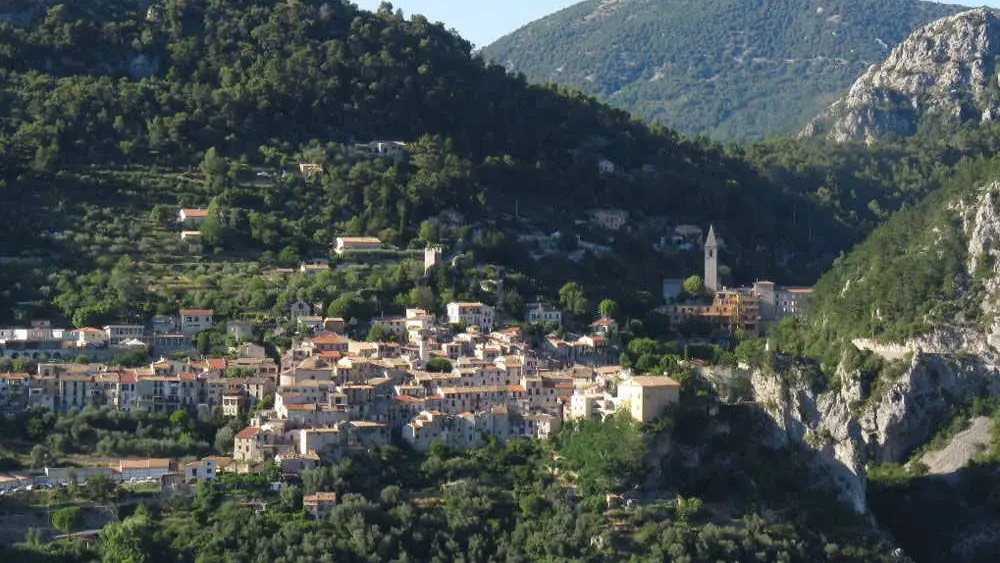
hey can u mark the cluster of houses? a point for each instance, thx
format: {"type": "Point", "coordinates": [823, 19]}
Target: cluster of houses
{"type": "Point", "coordinates": [751, 309]}
{"type": "Point", "coordinates": [163, 386]}
{"type": "Point", "coordinates": [458, 380]}
{"type": "Point", "coordinates": [334, 395]}
{"type": "Point", "coordinates": [165, 334]}
{"type": "Point", "coordinates": [173, 477]}
{"type": "Point", "coordinates": [169, 473]}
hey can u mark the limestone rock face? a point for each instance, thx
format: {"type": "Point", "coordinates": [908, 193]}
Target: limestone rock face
{"type": "Point", "coordinates": [945, 72]}
{"type": "Point", "coordinates": [851, 426]}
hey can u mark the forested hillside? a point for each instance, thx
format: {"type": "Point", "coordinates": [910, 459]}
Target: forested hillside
{"type": "Point", "coordinates": [911, 275]}
{"type": "Point", "coordinates": [116, 117]}
{"type": "Point", "coordinates": [114, 111]}
{"type": "Point", "coordinates": [731, 69]}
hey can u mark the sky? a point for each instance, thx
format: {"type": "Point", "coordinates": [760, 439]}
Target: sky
{"type": "Point", "coordinates": [479, 21]}
{"type": "Point", "coordinates": [483, 21]}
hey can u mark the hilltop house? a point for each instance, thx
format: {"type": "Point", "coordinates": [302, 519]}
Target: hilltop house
{"type": "Point", "coordinates": [390, 149]}
{"type": "Point", "coordinates": [308, 169]}
{"type": "Point", "coordinates": [645, 397]}
{"type": "Point", "coordinates": [349, 244]}
{"type": "Point", "coordinates": [193, 216]}
{"type": "Point", "coordinates": [472, 314]}
{"type": "Point", "coordinates": [196, 320]}
{"type": "Point", "coordinates": [610, 219]}
{"type": "Point", "coordinates": [319, 505]}
{"type": "Point", "coordinates": [542, 313]}
{"type": "Point", "coordinates": [119, 334]}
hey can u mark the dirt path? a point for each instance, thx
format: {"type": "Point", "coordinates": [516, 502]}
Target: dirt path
{"type": "Point", "coordinates": [961, 449]}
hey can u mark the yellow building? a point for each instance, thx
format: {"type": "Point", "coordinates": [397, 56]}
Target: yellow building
{"type": "Point", "coordinates": [645, 397]}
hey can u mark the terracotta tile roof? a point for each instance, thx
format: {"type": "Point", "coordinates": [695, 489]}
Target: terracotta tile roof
{"type": "Point", "coordinates": [143, 464]}
{"type": "Point", "coordinates": [329, 339]}
{"type": "Point", "coordinates": [361, 240]}
{"type": "Point", "coordinates": [14, 376]}
{"type": "Point", "coordinates": [248, 432]}
{"type": "Point", "coordinates": [319, 497]}
{"type": "Point", "coordinates": [483, 389]}
{"type": "Point", "coordinates": [655, 381]}
{"type": "Point", "coordinates": [368, 424]}
{"type": "Point", "coordinates": [220, 461]}
{"type": "Point", "coordinates": [216, 363]}
{"type": "Point", "coordinates": [194, 212]}
{"type": "Point", "coordinates": [408, 399]}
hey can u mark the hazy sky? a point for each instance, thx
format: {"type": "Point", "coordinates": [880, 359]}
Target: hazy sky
{"type": "Point", "coordinates": [482, 21]}
{"type": "Point", "coordinates": [479, 21]}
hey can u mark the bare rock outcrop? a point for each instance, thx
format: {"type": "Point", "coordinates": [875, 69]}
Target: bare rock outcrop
{"type": "Point", "coordinates": [944, 72]}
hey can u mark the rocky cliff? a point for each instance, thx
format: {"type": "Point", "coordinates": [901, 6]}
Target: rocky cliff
{"type": "Point", "coordinates": [731, 69]}
{"type": "Point", "coordinates": [856, 421]}
{"type": "Point", "coordinates": [945, 73]}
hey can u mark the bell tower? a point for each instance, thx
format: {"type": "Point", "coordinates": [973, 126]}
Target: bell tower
{"type": "Point", "coordinates": [711, 261]}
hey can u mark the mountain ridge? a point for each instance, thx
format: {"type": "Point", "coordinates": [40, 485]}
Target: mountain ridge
{"type": "Point", "coordinates": [729, 69]}
{"type": "Point", "coordinates": [943, 75]}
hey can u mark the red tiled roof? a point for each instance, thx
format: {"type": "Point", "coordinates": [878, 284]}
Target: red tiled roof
{"type": "Point", "coordinates": [197, 311]}
{"type": "Point", "coordinates": [408, 399]}
{"type": "Point", "coordinates": [319, 497]}
{"type": "Point", "coordinates": [195, 212]}
{"type": "Point", "coordinates": [248, 432]}
{"type": "Point", "coordinates": [143, 464]}
{"type": "Point", "coordinates": [328, 339]}
{"type": "Point", "coordinates": [654, 381]}
{"type": "Point", "coordinates": [216, 363]}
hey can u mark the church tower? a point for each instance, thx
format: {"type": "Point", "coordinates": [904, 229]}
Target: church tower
{"type": "Point", "coordinates": [711, 261]}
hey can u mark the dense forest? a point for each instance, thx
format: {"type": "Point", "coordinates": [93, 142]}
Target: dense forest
{"type": "Point", "coordinates": [120, 116]}
{"type": "Point", "coordinates": [731, 69]}
{"type": "Point", "coordinates": [525, 501]}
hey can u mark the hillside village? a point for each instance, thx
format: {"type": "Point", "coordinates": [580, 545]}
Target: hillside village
{"type": "Point", "coordinates": [459, 380]}
{"type": "Point", "coordinates": [298, 281]}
